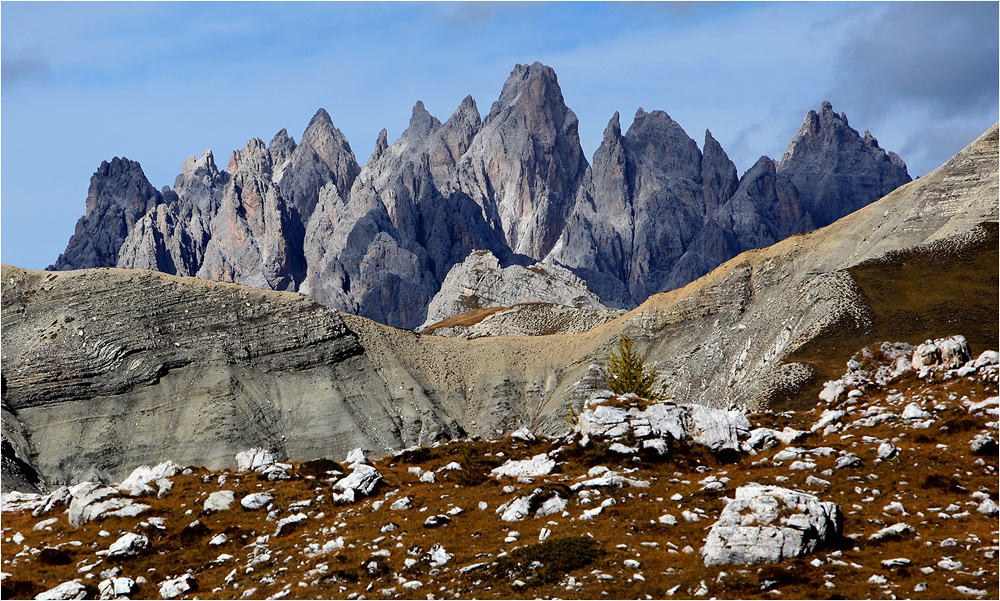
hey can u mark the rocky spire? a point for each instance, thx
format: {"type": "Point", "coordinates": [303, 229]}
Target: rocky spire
{"type": "Point", "coordinates": [380, 145]}
{"type": "Point", "coordinates": [525, 166]}
{"type": "Point", "coordinates": [281, 147]}
{"type": "Point", "coordinates": [323, 155]}
{"type": "Point", "coordinates": [119, 195]}
{"type": "Point", "coordinates": [718, 174]}
{"type": "Point", "coordinates": [835, 170]}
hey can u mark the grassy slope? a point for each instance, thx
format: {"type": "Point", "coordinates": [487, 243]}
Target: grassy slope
{"type": "Point", "coordinates": [914, 295]}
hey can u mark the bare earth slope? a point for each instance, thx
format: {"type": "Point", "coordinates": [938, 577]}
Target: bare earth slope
{"type": "Point", "coordinates": [108, 369]}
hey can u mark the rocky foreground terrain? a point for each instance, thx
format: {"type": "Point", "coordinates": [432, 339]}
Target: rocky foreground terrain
{"type": "Point", "coordinates": [886, 488]}
{"type": "Point", "coordinates": [652, 211]}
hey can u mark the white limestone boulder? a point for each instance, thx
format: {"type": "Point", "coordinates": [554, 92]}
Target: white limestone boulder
{"type": "Point", "coordinates": [67, 590]}
{"type": "Point", "coordinates": [219, 501]}
{"type": "Point", "coordinates": [138, 482]}
{"type": "Point", "coordinates": [769, 524]}
{"type": "Point", "coordinates": [256, 501]}
{"type": "Point", "coordinates": [171, 589]}
{"type": "Point", "coordinates": [127, 545]}
{"type": "Point", "coordinates": [362, 480]}
{"type": "Point", "coordinates": [254, 460]}
{"type": "Point", "coordinates": [539, 465]}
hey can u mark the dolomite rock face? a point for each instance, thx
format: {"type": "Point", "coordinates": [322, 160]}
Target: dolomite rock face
{"type": "Point", "coordinates": [526, 164]}
{"type": "Point", "coordinates": [652, 213]}
{"type": "Point", "coordinates": [481, 282]}
{"type": "Point", "coordinates": [119, 195]}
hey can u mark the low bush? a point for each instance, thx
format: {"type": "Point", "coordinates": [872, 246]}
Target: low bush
{"type": "Point", "coordinates": [549, 561]}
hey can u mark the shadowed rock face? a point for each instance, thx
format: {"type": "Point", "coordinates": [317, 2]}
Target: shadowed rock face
{"type": "Point", "coordinates": [119, 195]}
{"type": "Point", "coordinates": [135, 366]}
{"type": "Point", "coordinates": [652, 213]}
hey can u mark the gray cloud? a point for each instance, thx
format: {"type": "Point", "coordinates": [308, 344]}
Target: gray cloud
{"type": "Point", "coordinates": [21, 68]}
{"type": "Point", "coordinates": [941, 56]}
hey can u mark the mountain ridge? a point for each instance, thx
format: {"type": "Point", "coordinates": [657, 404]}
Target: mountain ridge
{"type": "Point", "coordinates": [380, 239]}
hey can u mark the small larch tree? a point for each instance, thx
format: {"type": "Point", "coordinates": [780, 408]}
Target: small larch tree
{"type": "Point", "coordinates": [627, 372]}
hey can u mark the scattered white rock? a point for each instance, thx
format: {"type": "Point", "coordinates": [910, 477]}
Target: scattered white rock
{"type": "Point", "coordinates": [138, 482]}
{"type": "Point", "coordinates": [767, 524]}
{"type": "Point", "coordinates": [114, 587]}
{"type": "Point", "coordinates": [67, 590]}
{"type": "Point", "coordinates": [127, 545]}
{"type": "Point", "coordinates": [171, 589]}
{"type": "Point", "coordinates": [254, 460]}
{"type": "Point", "coordinates": [539, 465]}
{"type": "Point", "coordinates": [220, 500]}
{"type": "Point", "coordinates": [256, 501]}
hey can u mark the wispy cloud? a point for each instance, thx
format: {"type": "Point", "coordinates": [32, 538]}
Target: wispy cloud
{"type": "Point", "coordinates": [22, 67]}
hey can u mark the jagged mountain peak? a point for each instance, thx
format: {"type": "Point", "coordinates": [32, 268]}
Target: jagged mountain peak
{"type": "Point", "coordinates": [381, 143]}
{"type": "Point", "coordinates": [613, 131]}
{"type": "Point", "coordinates": [422, 123]}
{"type": "Point", "coordinates": [254, 157]}
{"type": "Point", "coordinates": [531, 96]}
{"type": "Point", "coordinates": [666, 145]}
{"type": "Point", "coordinates": [200, 167]}
{"type": "Point", "coordinates": [281, 147]}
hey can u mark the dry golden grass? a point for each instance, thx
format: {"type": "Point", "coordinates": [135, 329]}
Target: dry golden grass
{"type": "Point", "coordinates": [925, 478]}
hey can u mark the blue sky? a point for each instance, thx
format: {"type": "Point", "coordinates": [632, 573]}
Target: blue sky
{"type": "Point", "coordinates": [156, 82]}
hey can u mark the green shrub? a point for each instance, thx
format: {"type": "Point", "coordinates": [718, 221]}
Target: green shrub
{"type": "Point", "coordinates": [627, 372]}
{"type": "Point", "coordinates": [547, 562]}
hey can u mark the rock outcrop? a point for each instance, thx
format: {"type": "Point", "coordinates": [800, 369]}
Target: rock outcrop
{"type": "Point", "coordinates": [652, 213]}
{"type": "Point", "coordinates": [481, 282]}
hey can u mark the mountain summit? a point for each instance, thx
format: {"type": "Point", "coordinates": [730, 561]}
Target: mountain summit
{"type": "Point", "coordinates": [652, 211]}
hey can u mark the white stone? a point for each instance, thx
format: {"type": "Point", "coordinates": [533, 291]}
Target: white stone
{"type": "Point", "coordinates": [887, 450]}
{"type": "Point", "coordinates": [127, 545]}
{"type": "Point", "coordinates": [668, 519]}
{"type": "Point", "coordinates": [219, 539]}
{"type": "Point", "coordinates": [362, 480]}
{"type": "Point", "coordinates": [767, 524]}
{"type": "Point", "coordinates": [988, 507]}
{"type": "Point", "coordinates": [400, 504]}
{"type": "Point", "coordinates": [357, 456]}
{"type": "Point", "coordinates": [428, 478]}
{"type": "Point", "coordinates": [523, 433]}
{"type": "Point", "coordinates": [171, 589]}
{"type": "Point", "coordinates": [515, 510]}
{"type": "Point", "coordinates": [987, 358]}
{"type": "Point", "coordinates": [112, 588]}
{"type": "Point", "coordinates": [138, 481]}
{"type": "Point", "coordinates": [256, 501]}
{"type": "Point", "coordinates": [539, 465]}
{"type": "Point", "coordinates": [255, 460]}
{"type": "Point", "coordinates": [913, 411]}
{"type": "Point", "coordinates": [292, 519]}
{"type": "Point", "coordinates": [67, 590]}
{"type": "Point", "coordinates": [219, 500]}
{"type": "Point", "coordinates": [892, 531]}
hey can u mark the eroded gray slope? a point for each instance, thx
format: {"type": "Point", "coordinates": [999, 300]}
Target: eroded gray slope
{"type": "Point", "coordinates": [107, 369]}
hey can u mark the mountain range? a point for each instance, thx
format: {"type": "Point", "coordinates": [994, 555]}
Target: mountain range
{"type": "Point", "coordinates": [651, 212]}
{"type": "Point", "coordinates": [108, 369]}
